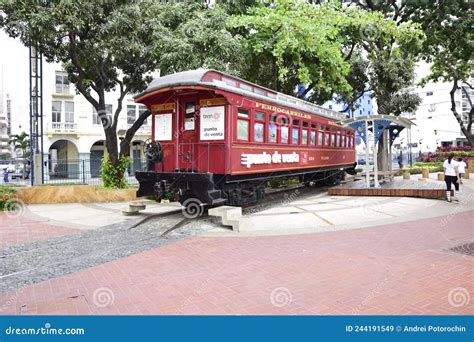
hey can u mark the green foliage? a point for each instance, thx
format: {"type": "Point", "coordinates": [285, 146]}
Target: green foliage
{"type": "Point", "coordinates": [198, 38]}
{"type": "Point", "coordinates": [7, 199]}
{"type": "Point", "coordinates": [113, 176]}
{"type": "Point", "coordinates": [282, 182]}
{"type": "Point", "coordinates": [293, 42]}
{"type": "Point", "coordinates": [415, 170]}
{"type": "Point", "coordinates": [21, 142]}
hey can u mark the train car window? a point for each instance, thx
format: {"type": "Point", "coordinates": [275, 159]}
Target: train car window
{"type": "Point", "coordinates": [243, 130]}
{"type": "Point", "coordinates": [304, 136]}
{"type": "Point", "coordinates": [333, 138]}
{"type": "Point", "coordinates": [321, 135]}
{"type": "Point", "coordinates": [260, 116]}
{"type": "Point", "coordinates": [243, 113]}
{"type": "Point", "coordinates": [258, 129]}
{"type": "Point", "coordinates": [243, 124]}
{"type": "Point", "coordinates": [295, 135]}
{"type": "Point", "coordinates": [272, 133]}
{"type": "Point", "coordinates": [327, 135]}
{"type": "Point", "coordinates": [305, 124]}
{"type": "Point", "coordinates": [312, 138]}
{"type": "Point", "coordinates": [284, 134]}
{"type": "Point", "coordinates": [296, 122]}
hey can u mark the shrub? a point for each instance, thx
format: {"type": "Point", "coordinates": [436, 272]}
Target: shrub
{"type": "Point", "coordinates": [455, 148]}
{"type": "Point", "coordinates": [7, 198]}
{"type": "Point", "coordinates": [114, 177]}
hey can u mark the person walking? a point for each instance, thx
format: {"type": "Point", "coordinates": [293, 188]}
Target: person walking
{"type": "Point", "coordinates": [461, 169]}
{"type": "Point", "coordinates": [451, 176]}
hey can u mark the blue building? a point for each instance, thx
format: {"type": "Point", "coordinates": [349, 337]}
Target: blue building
{"type": "Point", "coordinates": [364, 106]}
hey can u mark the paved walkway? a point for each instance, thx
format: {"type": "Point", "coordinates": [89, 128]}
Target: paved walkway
{"type": "Point", "coordinates": [17, 229]}
{"type": "Point", "coordinates": [405, 267]}
{"type": "Point", "coordinates": [393, 269]}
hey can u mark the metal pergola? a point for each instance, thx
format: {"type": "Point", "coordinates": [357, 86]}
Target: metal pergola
{"type": "Point", "coordinates": [385, 128]}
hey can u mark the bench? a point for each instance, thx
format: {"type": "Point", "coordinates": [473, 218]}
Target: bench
{"type": "Point", "coordinates": [386, 175]}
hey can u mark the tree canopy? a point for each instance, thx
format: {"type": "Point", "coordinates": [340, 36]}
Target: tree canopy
{"type": "Point", "coordinates": [329, 47]}
{"type": "Point", "coordinates": [118, 44]}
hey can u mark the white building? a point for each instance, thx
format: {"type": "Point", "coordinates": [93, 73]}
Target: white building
{"type": "Point", "coordinates": [73, 135]}
{"type": "Point", "coordinates": [435, 123]}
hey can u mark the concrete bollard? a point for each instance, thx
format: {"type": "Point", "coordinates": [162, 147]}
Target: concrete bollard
{"type": "Point", "coordinates": [441, 176]}
{"type": "Point", "coordinates": [406, 175]}
{"type": "Point", "coordinates": [425, 173]}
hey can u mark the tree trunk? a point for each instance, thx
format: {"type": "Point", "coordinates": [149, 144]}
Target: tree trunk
{"type": "Point", "coordinates": [125, 143]}
{"type": "Point", "coordinates": [469, 136]}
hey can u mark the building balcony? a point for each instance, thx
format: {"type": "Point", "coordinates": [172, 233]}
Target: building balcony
{"type": "Point", "coordinates": [62, 127]}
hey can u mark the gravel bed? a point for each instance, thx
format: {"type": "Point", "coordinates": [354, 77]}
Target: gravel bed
{"type": "Point", "coordinates": [25, 264]}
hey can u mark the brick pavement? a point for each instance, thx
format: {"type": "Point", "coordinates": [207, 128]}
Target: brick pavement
{"type": "Point", "coordinates": [403, 268]}
{"type": "Point", "coordinates": [16, 229]}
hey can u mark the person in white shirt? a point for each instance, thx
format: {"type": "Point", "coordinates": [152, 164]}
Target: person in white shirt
{"type": "Point", "coordinates": [451, 175]}
{"type": "Point", "coordinates": [461, 169]}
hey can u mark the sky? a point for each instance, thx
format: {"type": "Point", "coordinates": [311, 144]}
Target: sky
{"type": "Point", "coordinates": [14, 77]}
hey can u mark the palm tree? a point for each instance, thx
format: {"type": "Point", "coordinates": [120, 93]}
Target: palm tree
{"type": "Point", "coordinates": [21, 142]}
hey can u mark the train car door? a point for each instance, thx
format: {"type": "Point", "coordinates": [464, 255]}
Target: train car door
{"type": "Point", "coordinates": [188, 134]}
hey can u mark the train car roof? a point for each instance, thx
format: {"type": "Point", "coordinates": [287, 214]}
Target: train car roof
{"type": "Point", "coordinates": [227, 83]}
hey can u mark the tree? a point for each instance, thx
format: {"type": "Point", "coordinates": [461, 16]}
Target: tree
{"type": "Point", "coordinates": [116, 45]}
{"type": "Point", "coordinates": [21, 142]}
{"type": "Point", "coordinates": [450, 48]}
{"type": "Point", "coordinates": [291, 43]}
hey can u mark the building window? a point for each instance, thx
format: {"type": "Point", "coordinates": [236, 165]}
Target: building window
{"type": "Point", "coordinates": [131, 114]}
{"type": "Point", "coordinates": [62, 83]}
{"type": "Point", "coordinates": [96, 118]}
{"type": "Point", "coordinates": [243, 125]}
{"type": "Point", "coordinates": [142, 109]}
{"type": "Point", "coordinates": [429, 93]}
{"type": "Point", "coordinates": [69, 112]}
{"type": "Point", "coordinates": [330, 106]}
{"type": "Point", "coordinates": [432, 107]}
{"type": "Point", "coordinates": [56, 111]}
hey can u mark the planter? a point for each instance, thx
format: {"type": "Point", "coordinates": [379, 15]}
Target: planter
{"type": "Point", "coordinates": [441, 176]}
{"type": "Point", "coordinates": [425, 172]}
{"type": "Point", "coordinates": [73, 194]}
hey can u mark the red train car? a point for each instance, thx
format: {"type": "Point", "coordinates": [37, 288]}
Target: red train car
{"type": "Point", "coordinates": [219, 139]}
